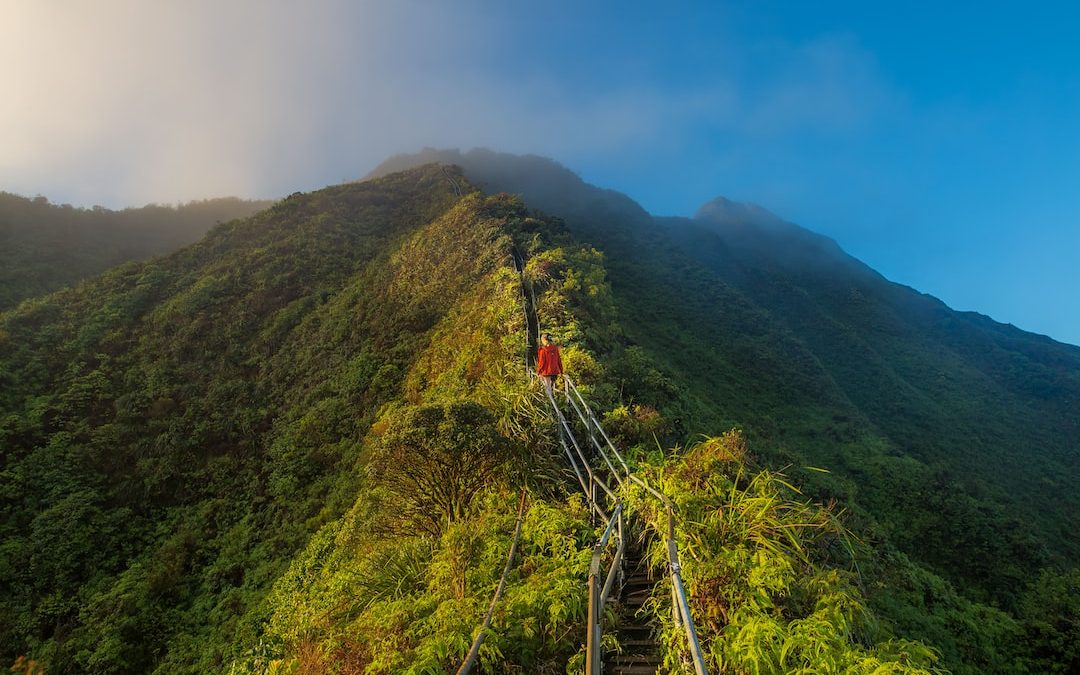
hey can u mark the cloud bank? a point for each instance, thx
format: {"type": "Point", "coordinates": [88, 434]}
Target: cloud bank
{"type": "Point", "coordinates": [122, 102]}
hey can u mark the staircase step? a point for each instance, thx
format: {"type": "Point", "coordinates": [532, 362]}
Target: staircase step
{"type": "Point", "coordinates": [635, 633]}
{"type": "Point", "coordinates": [635, 659]}
{"type": "Point", "coordinates": [633, 665]}
{"type": "Point", "coordinates": [636, 646]}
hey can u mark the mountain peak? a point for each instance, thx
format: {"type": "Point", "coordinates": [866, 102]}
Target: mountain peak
{"type": "Point", "coordinates": [748, 226]}
{"type": "Point", "coordinates": [545, 183]}
{"type": "Point", "coordinates": [724, 211]}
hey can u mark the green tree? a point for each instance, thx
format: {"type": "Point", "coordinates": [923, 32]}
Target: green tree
{"type": "Point", "coordinates": [434, 460]}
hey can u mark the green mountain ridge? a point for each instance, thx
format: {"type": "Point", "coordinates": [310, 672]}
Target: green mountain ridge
{"type": "Point", "coordinates": [204, 454]}
{"type": "Point", "coordinates": [45, 246]}
{"type": "Point", "coordinates": [168, 369]}
{"type": "Point", "coordinates": [770, 325]}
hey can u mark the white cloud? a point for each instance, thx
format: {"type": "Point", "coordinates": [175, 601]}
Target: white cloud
{"type": "Point", "coordinates": [122, 102]}
{"type": "Point", "coordinates": [139, 101]}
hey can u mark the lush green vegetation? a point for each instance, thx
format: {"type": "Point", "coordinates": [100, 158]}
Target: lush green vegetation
{"type": "Point", "coordinates": [175, 430]}
{"type": "Point", "coordinates": [400, 582]}
{"type": "Point", "coordinates": [46, 246]}
{"type": "Point", "coordinates": [298, 446]}
{"type": "Point", "coordinates": [765, 571]}
{"type": "Point", "coordinates": [204, 453]}
{"type": "Point", "coordinates": [951, 439]}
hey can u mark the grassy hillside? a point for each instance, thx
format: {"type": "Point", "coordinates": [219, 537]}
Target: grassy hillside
{"type": "Point", "coordinates": [984, 409]}
{"type": "Point", "coordinates": [958, 435]}
{"type": "Point", "coordinates": [46, 246]}
{"type": "Point", "coordinates": [299, 446]}
{"type": "Point", "coordinates": [176, 430]}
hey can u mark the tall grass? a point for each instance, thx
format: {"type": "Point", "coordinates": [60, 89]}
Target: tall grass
{"type": "Point", "coordinates": [770, 574]}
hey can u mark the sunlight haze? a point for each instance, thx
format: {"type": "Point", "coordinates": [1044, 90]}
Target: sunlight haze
{"type": "Point", "coordinates": [941, 146]}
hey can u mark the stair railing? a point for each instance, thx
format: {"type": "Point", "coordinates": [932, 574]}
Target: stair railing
{"type": "Point", "coordinates": [598, 596]}
{"type": "Point", "coordinates": [565, 434]}
{"type": "Point", "coordinates": [481, 633]}
{"type": "Point", "coordinates": [599, 593]}
{"type": "Point", "coordinates": [680, 605]}
{"type": "Point", "coordinates": [599, 588]}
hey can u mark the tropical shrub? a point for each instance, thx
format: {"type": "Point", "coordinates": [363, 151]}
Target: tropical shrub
{"type": "Point", "coordinates": [763, 569]}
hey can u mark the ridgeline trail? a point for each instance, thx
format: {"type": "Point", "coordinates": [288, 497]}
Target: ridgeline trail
{"type": "Point", "coordinates": [620, 581]}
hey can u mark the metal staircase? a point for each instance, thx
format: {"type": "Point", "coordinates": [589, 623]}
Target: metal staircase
{"type": "Point", "coordinates": [634, 628]}
{"type": "Point", "coordinates": [619, 574]}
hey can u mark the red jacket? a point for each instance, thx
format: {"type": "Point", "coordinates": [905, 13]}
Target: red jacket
{"type": "Point", "coordinates": [548, 361]}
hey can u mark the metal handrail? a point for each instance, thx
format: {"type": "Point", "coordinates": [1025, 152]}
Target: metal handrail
{"type": "Point", "coordinates": [577, 448]}
{"type": "Point", "coordinates": [587, 417]}
{"type": "Point", "coordinates": [598, 594]}
{"type": "Point", "coordinates": [680, 603]}
{"type": "Point", "coordinates": [592, 436]}
{"type": "Point", "coordinates": [474, 651]}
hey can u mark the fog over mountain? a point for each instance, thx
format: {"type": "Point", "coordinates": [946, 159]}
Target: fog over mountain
{"type": "Point", "coordinates": [947, 163]}
{"type": "Point", "coordinates": [45, 246]}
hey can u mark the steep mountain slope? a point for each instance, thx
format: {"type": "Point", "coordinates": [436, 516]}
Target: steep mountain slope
{"type": "Point", "coordinates": [174, 431]}
{"type": "Point", "coordinates": [989, 409]}
{"type": "Point", "coordinates": [957, 435]}
{"type": "Point", "coordinates": [210, 460]}
{"type": "Point", "coordinates": [46, 246]}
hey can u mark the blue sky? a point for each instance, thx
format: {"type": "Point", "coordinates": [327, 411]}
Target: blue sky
{"type": "Point", "coordinates": [938, 142]}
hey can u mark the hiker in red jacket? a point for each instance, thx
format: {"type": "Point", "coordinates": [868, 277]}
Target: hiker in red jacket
{"type": "Point", "coordinates": [548, 361]}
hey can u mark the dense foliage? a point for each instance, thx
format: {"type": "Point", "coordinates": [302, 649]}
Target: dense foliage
{"type": "Point", "coordinates": [368, 595]}
{"type": "Point", "coordinates": [46, 246]}
{"type": "Point", "coordinates": [948, 436]}
{"type": "Point", "coordinates": [174, 431]}
{"type": "Point", "coordinates": [298, 446]}
{"type": "Point", "coordinates": [400, 582]}
{"type": "Point", "coordinates": [764, 571]}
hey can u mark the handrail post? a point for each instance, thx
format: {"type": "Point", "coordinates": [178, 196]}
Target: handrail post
{"type": "Point", "coordinates": [474, 651]}
{"type": "Point", "coordinates": [679, 594]}
{"type": "Point", "coordinates": [592, 491]}
{"type": "Point", "coordinates": [594, 637]}
{"type": "Point", "coordinates": [592, 640]}
{"type": "Point", "coordinates": [616, 562]}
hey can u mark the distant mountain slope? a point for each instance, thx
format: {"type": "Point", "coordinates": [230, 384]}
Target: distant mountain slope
{"type": "Point", "coordinates": [958, 435]}
{"type": "Point", "coordinates": [47, 246]}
